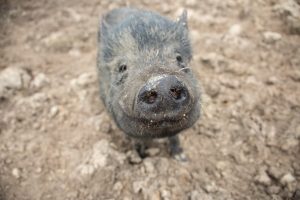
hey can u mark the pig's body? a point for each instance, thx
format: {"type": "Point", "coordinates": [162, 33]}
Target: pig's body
{"type": "Point", "coordinates": [145, 81]}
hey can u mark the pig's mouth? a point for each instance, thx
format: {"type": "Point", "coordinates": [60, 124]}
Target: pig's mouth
{"type": "Point", "coordinates": [164, 122]}
{"type": "Point", "coordinates": [157, 121]}
{"type": "Point", "coordinates": [157, 125]}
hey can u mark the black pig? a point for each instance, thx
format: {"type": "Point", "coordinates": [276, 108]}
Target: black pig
{"type": "Point", "coordinates": [145, 80]}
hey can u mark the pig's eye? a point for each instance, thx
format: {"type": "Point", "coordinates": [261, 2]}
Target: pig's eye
{"type": "Point", "coordinates": [179, 58]}
{"type": "Point", "coordinates": [122, 68]}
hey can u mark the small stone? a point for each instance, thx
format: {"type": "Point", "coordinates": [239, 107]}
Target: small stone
{"type": "Point", "coordinates": [8, 161]}
{"type": "Point", "coordinates": [200, 195]}
{"type": "Point", "coordinates": [211, 188]}
{"type": "Point", "coordinates": [37, 126]}
{"type": "Point", "coordinates": [271, 37]}
{"type": "Point", "coordinates": [263, 178]}
{"type": "Point", "coordinates": [154, 196]}
{"type": "Point", "coordinates": [75, 53]}
{"type": "Point", "coordinates": [58, 41]}
{"type": "Point", "coordinates": [13, 78]}
{"type": "Point", "coordinates": [105, 127]}
{"type": "Point", "coordinates": [165, 194]}
{"type": "Point", "coordinates": [16, 173]}
{"type": "Point", "coordinates": [289, 144]}
{"type": "Point", "coordinates": [53, 111]}
{"type": "Point", "coordinates": [87, 169]}
{"type": "Point", "coordinates": [275, 173]}
{"type": "Point", "coordinates": [149, 166]}
{"type": "Point", "coordinates": [133, 157]}
{"type": "Point", "coordinates": [73, 14]}
{"type": "Point", "coordinates": [235, 30]}
{"type": "Point", "coordinates": [38, 170]}
{"type": "Point", "coordinates": [213, 90]}
{"type": "Point", "coordinates": [287, 179]}
{"type": "Point", "coordinates": [39, 98]}
{"type": "Point", "coordinates": [138, 186]}
{"type": "Point", "coordinates": [85, 79]}
{"type": "Point", "coordinates": [272, 80]}
{"type": "Point", "coordinates": [40, 81]}
{"type": "Point", "coordinates": [273, 189]}
{"type": "Point", "coordinates": [127, 198]}
{"type": "Point", "coordinates": [172, 182]}
{"type": "Point", "coordinates": [118, 186]}
{"type": "Point", "coordinates": [195, 195]}
{"type": "Point", "coordinates": [191, 3]}
{"type": "Point", "coordinates": [152, 151]}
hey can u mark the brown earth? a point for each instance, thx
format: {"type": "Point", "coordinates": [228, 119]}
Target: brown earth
{"type": "Point", "coordinates": [57, 141]}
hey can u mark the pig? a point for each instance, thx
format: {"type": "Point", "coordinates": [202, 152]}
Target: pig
{"type": "Point", "coordinates": [145, 80]}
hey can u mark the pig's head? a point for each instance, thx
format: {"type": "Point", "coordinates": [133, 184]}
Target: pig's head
{"type": "Point", "coordinates": [152, 92]}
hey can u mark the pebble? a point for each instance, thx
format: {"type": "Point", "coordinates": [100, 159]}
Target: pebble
{"type": "Point", "coordinates": [287, 179]}
{"type": "Point", "coordinates": [191, 3]}
{"type": "Point", "coordinates": [38, 170]}
{"type": "Point", "coordinates": [213, 90]}
{"type": "Point", "coordinates": [273, 189]}
{"type": "Point", "coordinates": [165, 194]}
{"type": "Point", "coordinates": [13, 78]}
{"type": "Point", "coordinates": [272, 80]}
{"type": "Point", "coordinates": [53, 111]}
{"type": "Point", "coordinates": [40, 81]}
{"type": "Point", "coordinates": [211, 188]}
{"type": "Point", "coordinates": [289, 144]}
{"type": "Point", "coordinates": [271, 37]}
{"type": "Point", "coordinates": [152, 151]}
{"type": "Point", "coordinates": [149, 166]}
{"type": "Point", "coordinates": [85, 79]}
{"type": "Point", "coordinates": [235, 30]}
{"type": "Point", "coordinates": [196, 195]}
{"type": "Point", "coordinates": [75, 53]}
{"type": "Point", "coordinates": [133, 157]}
{"type": "Point", "coordinates": [275, 172]}
{"type": "Point", "coordinates": [154, 196]}
{"type": "Point", "coordinates": [16, 173]}
{"type": "Point", "coordinates": [263, 178]}
{"type": "Point", "coordinates": [138, 186]}
{"type": "Point", "coordinates": [118, 186]}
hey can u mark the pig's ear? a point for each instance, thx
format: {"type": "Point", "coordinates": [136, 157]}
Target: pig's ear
{"type": "Point", "coordinates": [182, 20]}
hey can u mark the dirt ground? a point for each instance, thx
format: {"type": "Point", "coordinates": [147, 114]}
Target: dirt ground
{"type": "Point", "coordinates": [58, 142]}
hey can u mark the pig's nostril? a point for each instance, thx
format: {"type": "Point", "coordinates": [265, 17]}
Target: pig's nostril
{"type": "Point", "coordinates": [149, 97]}
{"type": "Point", "coordinates": [177, 93]}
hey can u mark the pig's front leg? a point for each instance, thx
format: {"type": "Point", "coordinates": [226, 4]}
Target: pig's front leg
{"type": "Point", "coordinates": [175, 149]}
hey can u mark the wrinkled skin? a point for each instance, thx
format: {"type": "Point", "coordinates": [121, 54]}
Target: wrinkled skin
{"type": "Point", "coordinates": [139, 48]}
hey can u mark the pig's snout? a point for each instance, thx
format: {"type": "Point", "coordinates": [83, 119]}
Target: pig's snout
{"type": "Point", "coordinates": [163, 94]}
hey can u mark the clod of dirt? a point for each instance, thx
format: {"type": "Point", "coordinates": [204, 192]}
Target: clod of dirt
{"type": "Point", "coordinates": [273, 189]}
{"type": "Point", "coordinates": [12, 79]}
{"type": "Point", "coordinates": [196, 195]}
{"type": "Point", "coordinates": [275, 172]}
{"type": "Point", "coordinates": [58, 42]}
{"type": "Point", "coordinates": [271, 37]}
{"type": "Point", "coordinates": [40, 81]}
{"type": "Point", "coordinates": [152, 151]}
{"type": "Point", "coordinates": [101, 155]}
{"type": "Point", "coordinates": [290, 12]}
{"type": "Point", "coordinates": [287, 179]}
{"type": "Point", "coordinates": [133, 157]}
{"type": "Point", "coordinates": [263, 178]}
